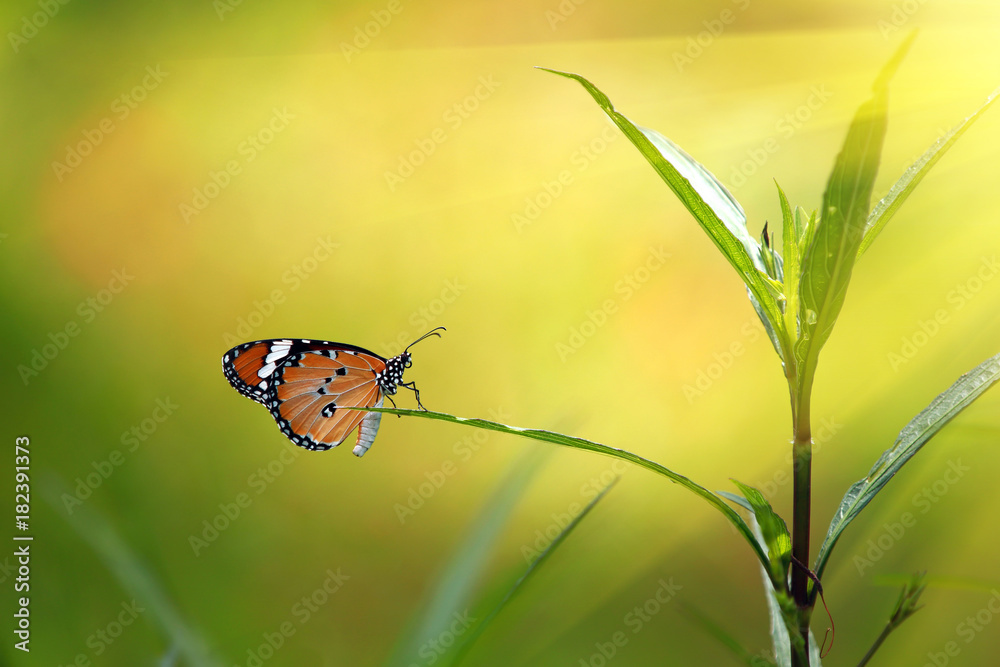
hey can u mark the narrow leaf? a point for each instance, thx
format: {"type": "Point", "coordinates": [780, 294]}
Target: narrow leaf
{"type": "Point", "coordinates": [453, 592]}
{"type": "Point", "coordinates": [99, 533]}
{"type": "Point", "coordinates": [907, 183]}
{"type": "Point", "coordinates": [587, 445]}
{"type": "Point", "coordinates": [775, 533]}
{"type": "Point", "coordinates": [790, 237]}
{"type": "Point", "coordinates": [477, 631]}
{"type": "Point", "coordinates": [723, 636]}
{"type": "Point", "coordinates": [782, 612]}
{"type": "Point", "coordinates": [829, 259]}
{"type": "Point", "coordinates": [914, 435]}
{"type": "Point", "coordinates": [708, 200]}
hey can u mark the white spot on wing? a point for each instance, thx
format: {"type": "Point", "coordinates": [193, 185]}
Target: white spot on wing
{"type": "Point", "coordinates": [266, 371]}
{"type": "Point", "coordinates": [277, 352]}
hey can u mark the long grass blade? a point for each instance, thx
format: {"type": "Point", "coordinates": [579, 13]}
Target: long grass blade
{"type": "Point", "coordinates": [134, 576]}
{"type": "Point", "coordinates": [723, 636]}
{"type": "Point", "coordinates": [471, 638]}
{"type": "Point", "coordinates": [454, 590]}
{"type": "Point", "coordinates": [596, 447]}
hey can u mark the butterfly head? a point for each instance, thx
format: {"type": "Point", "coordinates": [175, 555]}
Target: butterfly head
{"type": "Point", "coordinates": [393, 373]}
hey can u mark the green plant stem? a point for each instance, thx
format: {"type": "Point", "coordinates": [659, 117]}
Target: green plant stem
{"type": "Point", "coordinates": [802, 502]}
{"type": "Point", "coordinates": [889, 627]}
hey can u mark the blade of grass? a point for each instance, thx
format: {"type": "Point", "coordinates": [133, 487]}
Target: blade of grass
{"type": "Point", "coordinates": [470, 639]}
{"type": "Point", "coordinates": [911, 439]}
{"type": "Point", "coordinates": [711, 204]}
{"type": "Point", "coordinates": [453, 592]}
{"type": "Point", "coordinates": [133, 575]}
{"type": "Point", "coordinates": [587, 445]}
{"type": "Point", "coordinates": [907, 183]}
{"type": "Point", "coordinates": [723, 636]}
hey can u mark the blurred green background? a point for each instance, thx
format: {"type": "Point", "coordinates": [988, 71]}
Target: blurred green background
{"type": "Point", "coordinates": [180, 178]}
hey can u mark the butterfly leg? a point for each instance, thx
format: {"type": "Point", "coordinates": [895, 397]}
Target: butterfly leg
{"type": "Point", "coordinates": [413, 387]}
{"type": "Point", "coordinates": [393, 403]}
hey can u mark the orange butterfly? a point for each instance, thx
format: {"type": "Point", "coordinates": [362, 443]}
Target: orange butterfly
{"type": "Point", "coordinates": [307, 384]}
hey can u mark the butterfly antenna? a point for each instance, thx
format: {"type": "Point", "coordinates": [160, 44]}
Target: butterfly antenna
{"type": "Point", "coordinates": [432, 332]}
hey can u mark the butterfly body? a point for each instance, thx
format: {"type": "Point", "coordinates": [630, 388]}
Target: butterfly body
{"type": "Point", "coordinates": [308, 386]}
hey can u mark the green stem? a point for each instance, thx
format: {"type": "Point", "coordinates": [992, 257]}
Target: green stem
{"type": "Point", "coordinates": [802, 500]}
{"type": "Point", "coordinates": [889, 627]}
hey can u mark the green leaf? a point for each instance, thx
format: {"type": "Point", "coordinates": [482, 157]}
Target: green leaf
{"type": "Point", "coordinates": [914, 435]}
{"type": "Point", "coordinates": [791, 234]}
{"type": "Point", "coordinates": [453, 592]}
{"type": "Point", "coordinates": [782, 610]}
{"type": "Point", "coordinates": [775, 533]}
{"type": "Point", "coordinates": [470, 639]}
{"type": "Point", "coordinates": [712, 205]}
{"type": "Point", "coordinates": [907, 183]}
{"type": "Point", "coordinates": [587, 445]}
{"type": "Point", "coordinates": [134, 576]}
{"type": "Point", "coordinates": [830, 256]}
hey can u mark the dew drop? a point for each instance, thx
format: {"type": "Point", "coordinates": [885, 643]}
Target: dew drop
{"type": "Point", "coordinates": [811, 316]}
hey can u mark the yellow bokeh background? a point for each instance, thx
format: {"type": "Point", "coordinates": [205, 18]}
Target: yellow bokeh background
{"type": "Point", "coordinates": [259, 170]}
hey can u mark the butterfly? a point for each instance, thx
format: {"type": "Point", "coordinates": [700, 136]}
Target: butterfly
{"type": "Point", "coordinates": [307, 386]}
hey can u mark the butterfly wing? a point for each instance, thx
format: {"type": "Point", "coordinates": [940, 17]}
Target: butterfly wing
{"type": "Point", "coordinates": [307, 385]}
{"type": "Point", "coordinates": [249, 367]}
